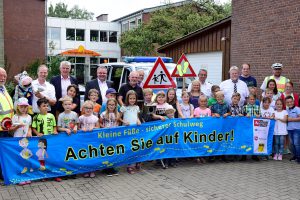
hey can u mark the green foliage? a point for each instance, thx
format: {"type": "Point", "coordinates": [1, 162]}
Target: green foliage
{"type": "Point", "coordinates": [171, 23]}
{"type": "Point", "coordinates": [61, 10]}
{"type": "Point", "coordinates": [10, 86]}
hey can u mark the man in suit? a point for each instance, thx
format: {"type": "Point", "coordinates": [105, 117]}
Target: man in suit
{"type": "Point", "coordinates": [100, 84]}
{"type": "Point", "coordinates": [62, 81]}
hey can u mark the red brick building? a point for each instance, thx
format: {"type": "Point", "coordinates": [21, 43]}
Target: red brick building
{"type": "Point", "coordinates": [265, 32]}
{"type": "Point", "coordinates": [23, 33]}
{"type": "Point", "coordinates": [260, 33]}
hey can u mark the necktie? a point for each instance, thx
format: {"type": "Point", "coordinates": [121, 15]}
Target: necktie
{"type": "Point", "coordinates": [235, 86]}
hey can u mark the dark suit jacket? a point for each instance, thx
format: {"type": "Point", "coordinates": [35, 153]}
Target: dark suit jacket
{"type": "Point", "coordinates": [56, 82]}
{"type": "Point", "coordinates": [93, 84]}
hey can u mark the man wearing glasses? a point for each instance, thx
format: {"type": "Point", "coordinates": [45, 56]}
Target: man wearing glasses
{"type": "Point", "coordinates": [205, 85]}
{"type": "Point", "coordinates": [280, 80]}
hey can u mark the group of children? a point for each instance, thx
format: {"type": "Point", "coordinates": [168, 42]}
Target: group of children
{"type": "Point", "coordinates": [165, 106]}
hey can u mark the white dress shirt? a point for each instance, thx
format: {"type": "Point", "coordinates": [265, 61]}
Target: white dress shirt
{"type": "Point", "coordinates": [228, 88]}
{"type": "Point", "coordinates": [103, 87]}
{"type": "Point", "coordinates": [205, 88]}
{"type": "Point", "coordinates": [48, 92]}
{"type": "Point", "coordinates": [64, 85]}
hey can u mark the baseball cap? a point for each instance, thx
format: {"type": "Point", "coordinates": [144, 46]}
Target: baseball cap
{"type": "Point", "coordinates": [276, 66]}
{"type": "Point", "coordinates": [22, 102]}
{"type": "Point", "coordinates": [111, 91]}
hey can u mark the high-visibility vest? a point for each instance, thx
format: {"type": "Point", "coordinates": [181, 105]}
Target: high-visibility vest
{"type": "Point", "coordinates": [6, 107]}
{"type": "Point", "coordinates": [279, 83]}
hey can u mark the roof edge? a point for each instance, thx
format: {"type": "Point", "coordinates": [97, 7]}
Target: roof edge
{"type": "Point", "coordinates": [224, 20]}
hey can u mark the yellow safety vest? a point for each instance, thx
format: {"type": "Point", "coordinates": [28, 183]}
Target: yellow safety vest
{"type": "Point", "coordinates": [6, 107]}
{"type": "Point", "coordinates": [279, 83]}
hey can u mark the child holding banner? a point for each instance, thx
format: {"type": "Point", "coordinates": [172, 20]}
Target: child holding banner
{"type": "Point", "coordinates": [161, 106]}
{"type": "Point", "coordinates": [186, 107]}
{"type": "Point", "coordinates": [109, 119]}
{"type": "Point", "coordinates": [220, 109]}
{"type": "Point", "coordinates": [67, 120]}
{"type": "Point", "coordinates": [130, 111]}
{"type": "Point", "coordinates": [202, 110]}
{"type": "Point", "coordinates": [235, 108]}
{"type": "Point", "coordinates": [172, 100]}
{"type": "Point", "coordinates": [280, 129]}
{"type": "Point", "coordinates": [293, 127]}
{"type": "Point", "coordinates": [88, 122]}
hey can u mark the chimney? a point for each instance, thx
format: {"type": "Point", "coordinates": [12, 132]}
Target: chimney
{"type": "Point", "coordinates": [102, 17]}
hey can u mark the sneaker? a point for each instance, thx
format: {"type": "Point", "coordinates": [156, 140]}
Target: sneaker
{"type": "Point", "coordinates": [109, 174]}
{"type": "Point", "coordinates": [28, 182]}
{"type": "Point", "coordinates": [279, 157]}
{"type": "Point", "coordinates": [22, 183]}
{"type": "Point", "coordinates": [115, 172]}
{"type": "Point", "coordinates": [293, 159]}
{"type": "Point", "coordinates": [92, 175]}
{"type": "Point", "coordinates": [86, 175]}
{"type": "Point", "coordinates": [275, 157]}
{"type": "Point", "coordinates": [58, 179]}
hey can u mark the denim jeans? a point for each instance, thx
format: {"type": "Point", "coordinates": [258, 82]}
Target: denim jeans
{"type": "Point", "coordinates": [279, 144]}
{"type": "Point", "coordinates": [294, 136]}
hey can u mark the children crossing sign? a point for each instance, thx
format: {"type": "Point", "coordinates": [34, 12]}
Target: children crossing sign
{"type": "Point", "coordinates": [183, 68]}
{"type": "Point", "coordinates": [159, 77]}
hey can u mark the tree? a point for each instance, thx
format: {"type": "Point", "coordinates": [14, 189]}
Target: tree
{"type": "Point", "coordinates": [61, 10]}
{"type": "Point", "coordinates": [168, 24]}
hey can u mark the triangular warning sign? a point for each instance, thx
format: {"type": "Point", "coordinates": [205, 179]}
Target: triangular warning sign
{"type": "Point", "coordinates": [183, 68]}
{"type": "Point", "coordinates": [159, 77]}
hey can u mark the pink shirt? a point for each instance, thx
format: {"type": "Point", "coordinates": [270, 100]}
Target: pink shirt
{"type": "Point", "coordinates": [198, 112]}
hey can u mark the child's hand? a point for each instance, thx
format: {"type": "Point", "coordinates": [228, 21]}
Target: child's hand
{"type": "Point", "coordinates": [39, 134]}
{"type": "Point", "coordinates": [55, 132]}
{"type": "Point", "coordinates": [162, 118]}
{"type": "Point", "coordinates": [225, 115]}
{"type": "Point", "coordinates": [84, 129]}
{"type": "Point", "coordinates": [126, 123]}
{"type": "Point", "coordinates": [217, 115]}
{"type": "Point", "coordinates": [68, 131]}
{"type": "Point", "coordinates": [241, 115]}
{"type": "Point", "coordinates": [138, 123]}
{"type": "Point", "coordinates": [75, 130]}
{"type": "Point", "coordinates": [248, 115]}
{"type": "Point", "coordinates": [257, 115]}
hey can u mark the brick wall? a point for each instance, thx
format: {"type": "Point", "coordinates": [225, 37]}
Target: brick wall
{"type": "Point", "coordinates": [24, 33]}
{"type": "Point", "coordinates": [265, 32]}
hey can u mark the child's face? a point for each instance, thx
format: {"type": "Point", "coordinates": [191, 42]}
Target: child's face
{"type": "Point", "coordinates": [252, 90]}
{"type": "Point", "coordinates": [202, 102]}
{"type": "Point", "coordinates": [279, 105]}
{"type": "Point", "coordinates": [290, 103]}
{"type": "Point", "coordinates": [185, 98]}
{"type": "Point", "coordinates": [235, 100]}
{"type": "Point", "coordinates": [111, 106]}
{"type": "Point", "coordinates": [266, 104]}
{"type": "Point", "coordinates": [93, 97]}
{"type": "Point", "coordinates": [161, 99]}
{"type": "Point", "coordinates": [113, 96]}
{"type": "Point", "coordinates": [269, 94]}
{"type": "Point", "coordinates": [220, 98]}
{"type": "Point", "coordinates": [171, 95]}
{"type": "Point", "coordinates": [88, 109]}
{"type": "Point", "coordinates": [216, 90]}
{"type": "Point", "coordinates": [148, 97]}
{"type": "Point", "coordinates": [23, 109]}
{"type": "Point", "coordinates": [271, 85]}
{"type": "Point", "coordinates": [251, 100]}
{"type": "Point", "coordinates": [132, 99]}
{"type": "Point", "coordinates": [67, 105]}
{"type": "Point", "coordinates": [170, 115]}
{"type": "Point", "coordinates": [71, 92]}
{"type": "Point", "coordinates": [43, 108]}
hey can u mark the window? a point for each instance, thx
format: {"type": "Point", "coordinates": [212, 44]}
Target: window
{"type": "Point", "coordinates": [113, 36]}
{"type": "Point", "coordinates": [132, 24]}
{"type": "Point", "coordinates": [93, 67]}
{"type": "Point", "coordinates": [125, 27]}
{"type": "Point", "coordinates": [139, 21]}
{"type": "Point", "coordinates": [75, 34]}
{"type": "Point", "coordinates": [79, 35]}
{"type": "Point", "coordinates": [78, 68]}
{"type": "Point", "coordinates": [103, 36]}
{"type": "Point", "coordinates": [94, 36]}
{"type": "Point", "coordinates": [113, 60]}
{"type": "Point", "coordinates": [103, 60]}
{"type": "Point", "coordinates": [53, 33]}
{"type": "Point", "coordinates": [70, 34]}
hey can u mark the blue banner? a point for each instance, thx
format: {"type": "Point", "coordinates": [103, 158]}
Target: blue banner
{"type": "Point", "coordinates": [24, 159]}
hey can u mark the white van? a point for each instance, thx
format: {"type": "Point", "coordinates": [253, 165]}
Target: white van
{"type": "Point", "coordinates": [118, 72]}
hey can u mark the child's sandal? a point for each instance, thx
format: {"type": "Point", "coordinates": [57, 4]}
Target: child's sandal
{"type": "Point", "coordinates": [130, 170]}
